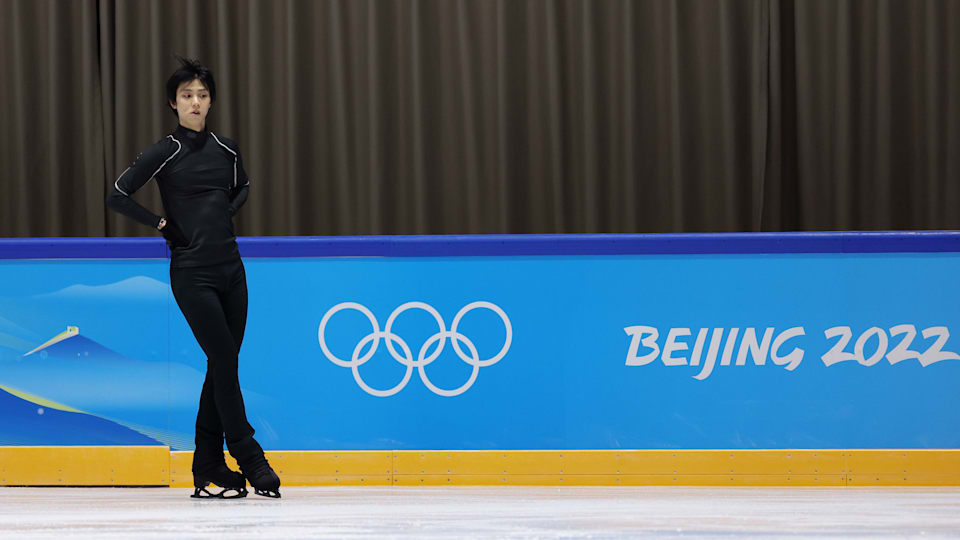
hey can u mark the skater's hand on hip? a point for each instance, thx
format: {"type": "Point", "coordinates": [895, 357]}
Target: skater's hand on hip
{"type": "Point", "coordinates": [173, 234]}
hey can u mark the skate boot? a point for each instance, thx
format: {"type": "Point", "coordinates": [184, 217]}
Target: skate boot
{"type": "Point", "coordinates": [264, 481]}
{"type": "Point", "coordinates": [254, 466]}
{"type": "Point", "coordinates": [232, 484]}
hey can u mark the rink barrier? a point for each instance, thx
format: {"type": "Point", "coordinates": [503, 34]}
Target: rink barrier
{"type": "Point", "coordinates": [504, 245]}
{"type": "Point", "coordinates": [158, 466]}
{"type": "Point", "coordinates": [84, 466]}
{"type": "Point", "coordinates": [606, 467]}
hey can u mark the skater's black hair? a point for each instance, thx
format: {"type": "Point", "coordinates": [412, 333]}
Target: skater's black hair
{"type": "Point", "coordinates": [188, 71]}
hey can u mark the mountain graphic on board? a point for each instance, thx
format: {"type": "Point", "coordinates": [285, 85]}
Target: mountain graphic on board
{"type": "Point", "coordinates": [69, 333]}
{"type": "Point", "coordinates": [70, 344]}
{"type": "Point", "coordinates": [72, 376]}
{"type": "Point", "coordinates": [32, 421]}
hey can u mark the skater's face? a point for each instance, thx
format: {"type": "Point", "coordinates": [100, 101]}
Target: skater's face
{"type": "Point", "coordinates": [193, 104]}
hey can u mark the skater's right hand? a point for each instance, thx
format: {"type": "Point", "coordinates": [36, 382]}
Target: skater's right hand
{"type": "Point", "coordinates": [173, 235]}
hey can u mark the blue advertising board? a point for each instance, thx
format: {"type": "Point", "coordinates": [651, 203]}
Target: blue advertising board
{"type": "Point", "coordinates": [569, 342]}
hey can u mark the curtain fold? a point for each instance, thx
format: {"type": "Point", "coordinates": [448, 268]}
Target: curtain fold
{"type": "Point", "coordinates": [876, 86]}
{"type": "Point", "coordinates": [52, 142]}
{"type": "Point", "coordinates": [497, 116]}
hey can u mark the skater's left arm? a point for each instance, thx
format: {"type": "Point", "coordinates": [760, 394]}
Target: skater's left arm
{"type": "Point", "coordinates": [238, 195]}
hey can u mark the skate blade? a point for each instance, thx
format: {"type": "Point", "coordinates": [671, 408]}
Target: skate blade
{"type": "Point", "coordinates": [234, 493]}
{"type": "Point", "coordinates": [273, 494]}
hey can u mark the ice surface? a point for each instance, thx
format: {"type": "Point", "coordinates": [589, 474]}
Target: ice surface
{"type": "Point", "coordinates": [485, 512]}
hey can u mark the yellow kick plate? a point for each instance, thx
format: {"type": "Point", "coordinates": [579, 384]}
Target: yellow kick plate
{"type": "Point", "coordinates": [84, 465]}
{"type": "Point", "coordinates": [158, 466]}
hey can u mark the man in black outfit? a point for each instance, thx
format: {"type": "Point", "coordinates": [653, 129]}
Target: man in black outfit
{"type": "Point", "coordinates": [202, 184]}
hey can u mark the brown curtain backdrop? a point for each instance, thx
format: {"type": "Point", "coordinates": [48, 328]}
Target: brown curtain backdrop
{"type": "Point", "coordinates": [877, 114]}
{"type": "Point", "coordinates": [498, 116]}
{"type": "Point", "coordinates": [52, 169]}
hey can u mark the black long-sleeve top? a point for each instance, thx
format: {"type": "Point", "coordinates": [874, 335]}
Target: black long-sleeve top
{"type": "Point", "coordinates": [202, 185]}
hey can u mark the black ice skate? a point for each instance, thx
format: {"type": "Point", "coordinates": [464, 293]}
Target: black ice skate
{"type": "Point", "coordinates": [264, 481]}
{"type": "Point", "coordinates": [232, 484]}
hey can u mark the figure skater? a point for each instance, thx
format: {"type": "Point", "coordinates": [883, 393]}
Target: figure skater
{"type": "Point", "coordinates": [202, 185]}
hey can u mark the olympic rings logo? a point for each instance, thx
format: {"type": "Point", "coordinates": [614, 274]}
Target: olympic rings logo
{"type": "Point", "coordinates": [405, 356]}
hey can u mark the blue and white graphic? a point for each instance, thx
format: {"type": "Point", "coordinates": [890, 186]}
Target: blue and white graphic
{"type": "Point", "coordinates": [700, 351]}
{"type": "Point", "coordinates": [424, 356]}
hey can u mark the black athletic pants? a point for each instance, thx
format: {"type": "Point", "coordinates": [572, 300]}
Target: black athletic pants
{"type": "Point", "coordinates": [213, 299]}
